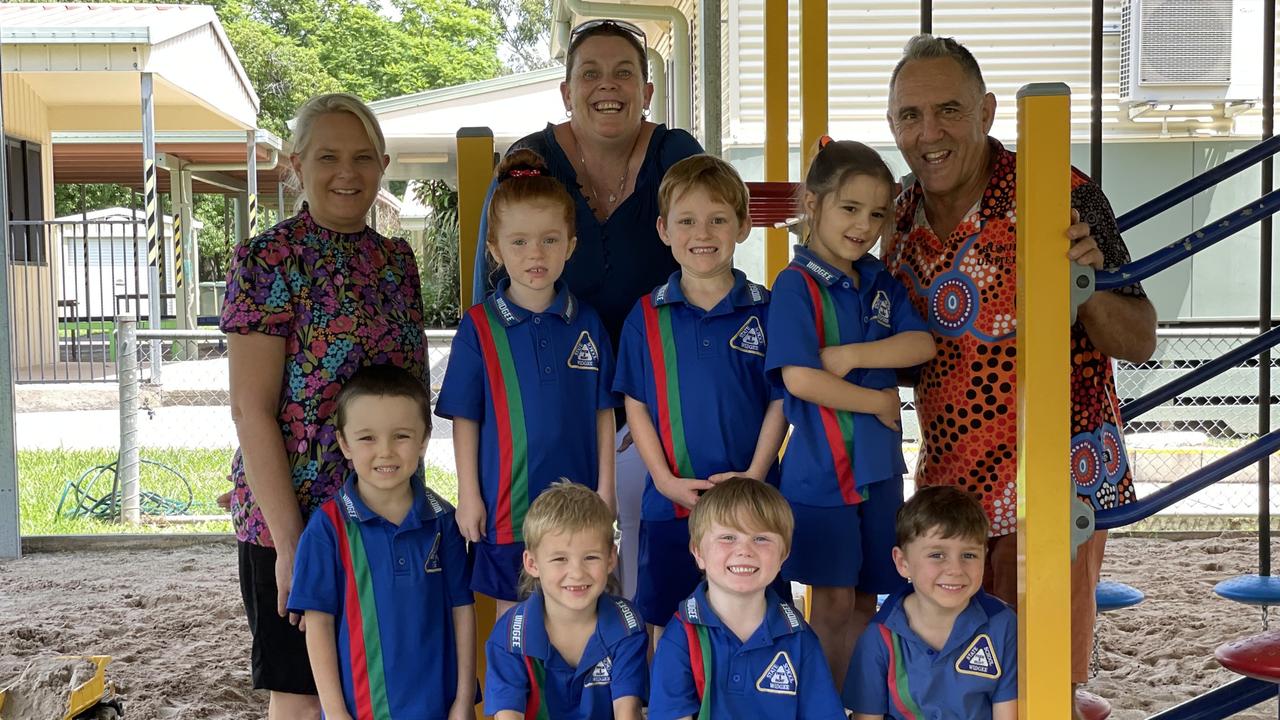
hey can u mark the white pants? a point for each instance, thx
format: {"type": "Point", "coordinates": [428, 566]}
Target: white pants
{"type": "Point", "coordinates": [629, 472]}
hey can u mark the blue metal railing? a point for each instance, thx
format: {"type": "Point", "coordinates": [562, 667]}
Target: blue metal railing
{"type": "Point", "coordinates": [1185, 247]}
{"type": "Point", "coordinates": [1199, 183]}
{"type": "Point", "coordinates": [1211, 369]}
{"type": "Point", "coordinates": [1234, 697]}
{"type": "Point", "coordinates": [1191, 484]}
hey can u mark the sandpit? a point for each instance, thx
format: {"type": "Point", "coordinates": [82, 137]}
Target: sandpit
{"type": "Point", "coordinates": [173, 622]}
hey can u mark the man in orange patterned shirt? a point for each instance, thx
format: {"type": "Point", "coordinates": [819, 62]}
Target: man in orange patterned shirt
{"type": "Point", "coordinates": [955, 249]}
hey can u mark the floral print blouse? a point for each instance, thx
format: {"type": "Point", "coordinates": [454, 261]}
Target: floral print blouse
{"type": "Point", "coordinates": [341, 302]}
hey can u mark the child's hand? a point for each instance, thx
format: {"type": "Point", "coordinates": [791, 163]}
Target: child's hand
{"type": "Point", "coordinates": [891, 413]}
{"type": "Point", "coordinates": [839, 360]}
{"type": "Point", "coordinates": [471, 517]}
{"type": "Point", "coordinates": [682, 491]}
{"type": "Point", "coordinates": [721, 477]}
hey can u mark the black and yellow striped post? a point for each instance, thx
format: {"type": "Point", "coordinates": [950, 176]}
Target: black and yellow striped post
{"type": "Point", "coordinates": [251, 181]}
{"type": "Point", "coordinates": [150, 201]}
{"type": "Point", "coordinates": [177, 252]}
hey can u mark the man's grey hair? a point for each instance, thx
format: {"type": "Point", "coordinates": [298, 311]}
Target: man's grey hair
{"type": "Point", "coordinates": [928, 47]}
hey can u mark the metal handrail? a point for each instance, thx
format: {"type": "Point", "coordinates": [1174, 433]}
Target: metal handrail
{"type": "Point", "coordinates": [1199, 183]}
{"type": "Point", "coordinates": [1211, 369]}
{"type": "Point", "coordinates": [1191, 484]}
{"type": "Point", "coordinates": [1189, 245]}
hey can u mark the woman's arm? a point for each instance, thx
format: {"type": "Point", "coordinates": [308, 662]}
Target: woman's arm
{"type": "Point", "coordinates": [464, 632]}
{"type": "Point", "coordinates": [466, 458]}
{"type": "Point", "coordinates": [683, 491]}
{"type": "Point", "coordinates": [627, 708]}
{"type": "Point", "coordinates": [605, 432]}
{"type": "Point", "coordinates": [822, 388]}
{"type": "Point", "coordinates": [903, 350]}
{"type": "Point", "coordinates": [322, 649]}
{"type": "Point", "coordinates": [256, 367]}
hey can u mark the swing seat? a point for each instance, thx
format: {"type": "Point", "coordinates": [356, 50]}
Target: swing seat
{"type": "Point", "coordinates": [1256, 656]}
{"type": "Point", "coordinates": [1092, 707]}
{"type": "Point", "coordinates": [1251, 589]}
{"type": "Point", "coordinates": [1116, 596]}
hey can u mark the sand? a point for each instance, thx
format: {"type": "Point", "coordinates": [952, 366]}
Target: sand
{"type": "Point", "coordinates": [173, 621]}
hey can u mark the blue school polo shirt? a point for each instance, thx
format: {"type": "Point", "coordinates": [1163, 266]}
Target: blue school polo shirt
{"type": "Point", "coordinates": [834, 456]}
{"type": "Point", "coordinates": [391, 590]}
{"type": "Point", "coordinates": [779, 673]}
{"type": "Point", "coordinates": [701, 375]}
{"type": "Point", "coordinates": [533, 382]}
{"type": "Point", "coordinates": [896, 674]}
{"type": "Point", "coordinates": [613, 666]}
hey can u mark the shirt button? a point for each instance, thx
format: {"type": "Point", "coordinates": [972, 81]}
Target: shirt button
{"type": "Point", "coordinates": [706, 343]}
{"type": "Point", "coordinates": [401, 561]}
{"type": "Point", "coordinates": [845, 284]}
{"type": "Point", "coordinates": [538, 320]}
{"type": "Point", "coordinates": [546, 370]}
{"type": "Point", "coordinates": [737, 678]}
{"type": "Point", "coordinates": [542, 342]}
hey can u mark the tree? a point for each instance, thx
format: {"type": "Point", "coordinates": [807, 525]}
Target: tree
{"type": "Point", "coordinates": [524, 32]}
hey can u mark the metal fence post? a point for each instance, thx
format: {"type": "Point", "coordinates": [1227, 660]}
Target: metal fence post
{"type": "Point", "coordinates": [127, 465]}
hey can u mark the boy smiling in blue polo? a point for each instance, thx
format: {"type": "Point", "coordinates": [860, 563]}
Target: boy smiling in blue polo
{"type": "Point", "coordinates": [691, 365]}
{"type": "Point", "coordinates": [941, 648]}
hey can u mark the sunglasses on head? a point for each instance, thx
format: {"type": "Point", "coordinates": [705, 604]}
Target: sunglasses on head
{"type": "Point", "coordinates": [590, 25]}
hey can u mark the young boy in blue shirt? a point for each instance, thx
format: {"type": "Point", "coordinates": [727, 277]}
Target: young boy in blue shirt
{"type": "Point", "coordinates": [691, 365]}
{"type": "Point", "coordinates": [571, 651]}
{"type": "Point", "coordinates": [381, 573]}
{"type": "Point", "coordinates": [735, 649]}
{"type": "Point", "coordinates": [940, 648]}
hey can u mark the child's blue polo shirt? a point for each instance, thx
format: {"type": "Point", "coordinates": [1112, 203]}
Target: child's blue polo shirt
{"type": "Point", "coordinates": [613, 666]}
{"type": "Point", "coordinates": [533, 382]}
{"type": "Point", "coordinates": [814, 306]}
{"type": "Point", "coordinates": [391, 590]}
{"type": "Point", "coordinates": [896, 674]}
{"type": "Point", "coordinates": [701, 375]}
{"type": "Point", "coordinates": [778, 673]}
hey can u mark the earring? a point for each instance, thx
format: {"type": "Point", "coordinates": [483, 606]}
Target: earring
{"type": "Point", "coordinates": [568, 112]}
{"type": "Point", "coordinates": [645, 112]}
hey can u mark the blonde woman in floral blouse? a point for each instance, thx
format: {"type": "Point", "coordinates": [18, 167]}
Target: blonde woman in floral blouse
{"type": "Point", "coordinates": [308, 303]}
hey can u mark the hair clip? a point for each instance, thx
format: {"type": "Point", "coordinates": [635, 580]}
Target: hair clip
{"type": "Point", "coordinates": [824, 141]}
{"type": "Point", "coordinates": [523, 172]}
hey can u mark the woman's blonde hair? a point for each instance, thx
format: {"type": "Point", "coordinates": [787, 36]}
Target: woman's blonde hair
{"type": "Point", "coordinates": [319, 105]}
{"type": "Point", "coordinates": [565, 507]}
{"type": "Point", "coordinates": [744, 504]}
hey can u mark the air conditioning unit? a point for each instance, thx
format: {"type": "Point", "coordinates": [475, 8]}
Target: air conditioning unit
{"type": "Point", "coordinates": [1190, 51]}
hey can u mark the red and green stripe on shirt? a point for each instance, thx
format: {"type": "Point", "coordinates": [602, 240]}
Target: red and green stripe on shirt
{"type": "Point", "coordinates": [666, 377]}
{"type": "Point", "coordinates": [360, 613]}
{"type": "Point", "coordinates": [899, 684]}
{"type": "Point", "coordinates": [508, 411]}
{"type": "Point", "coordinates": [837, 425]}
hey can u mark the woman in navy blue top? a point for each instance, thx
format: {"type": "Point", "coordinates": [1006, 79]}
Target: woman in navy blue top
{"type": "Point", "coordinates": [611, 160]}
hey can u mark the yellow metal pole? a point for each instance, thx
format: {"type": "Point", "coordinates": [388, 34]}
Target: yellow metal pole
{"type": "Point", "coordinates": [813, 76]}
{"type": "Point", "coordinates": [475, 170]}
{"type": "Point", "coordinates": [777, 116]}
{"type": "Point", "coordinates": [1044, 402]}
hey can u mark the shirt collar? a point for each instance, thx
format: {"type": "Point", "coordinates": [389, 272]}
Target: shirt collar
{"type": "Point", "coordinates": [615, 620]}
{"type": "Point", "coordinates": [779, 617]}
{"type": "Point", "coordinates": [426, 505]}
{"type": "Point", "coordinates": [508, 313]}
{"type": "Point", "coordinates": [867, 267]}
{"type": "Point", "coordinates": [744, 293]}
{"type": "Point", "coordinates": [970, 620]}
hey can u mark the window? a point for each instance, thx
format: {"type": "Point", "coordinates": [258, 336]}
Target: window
{"type": "Point", "coordinates": [26, 202]}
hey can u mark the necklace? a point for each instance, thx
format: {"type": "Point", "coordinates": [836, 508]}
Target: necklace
{"type": "Point", "coordinates": [622, 181]}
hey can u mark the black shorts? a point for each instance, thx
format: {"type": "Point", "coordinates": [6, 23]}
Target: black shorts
{"type": "Point", "coordinates": [279, 662]}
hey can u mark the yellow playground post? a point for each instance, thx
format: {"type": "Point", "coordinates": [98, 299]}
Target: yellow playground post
{"type": "Point", "coordinates": [475, 170]}
{"type": "Point", "coordinates": [1044, 402]}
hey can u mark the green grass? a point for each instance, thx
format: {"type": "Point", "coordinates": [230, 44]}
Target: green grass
{"type": "Point", "coordinates": [43, 476]}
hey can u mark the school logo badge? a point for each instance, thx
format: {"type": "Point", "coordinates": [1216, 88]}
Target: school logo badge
{"type": "Point", "coordinates": [585, 356]}
{"type": "Point", "coordinates": [979, 659]}
{"type": "Point", "coordinates": [433, 557]}
{"type": "Point", "coordinates": [880, 308]}
{"type": "Point", "coordinates": [749, 338]}
{"type": "Point", "coordinates": [780, 677]}
{"type": "Point", "coordinates": [601, 674]}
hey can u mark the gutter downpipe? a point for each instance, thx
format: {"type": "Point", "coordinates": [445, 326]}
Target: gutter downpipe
{"type": "Point", "coordinates": [681, 57]}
